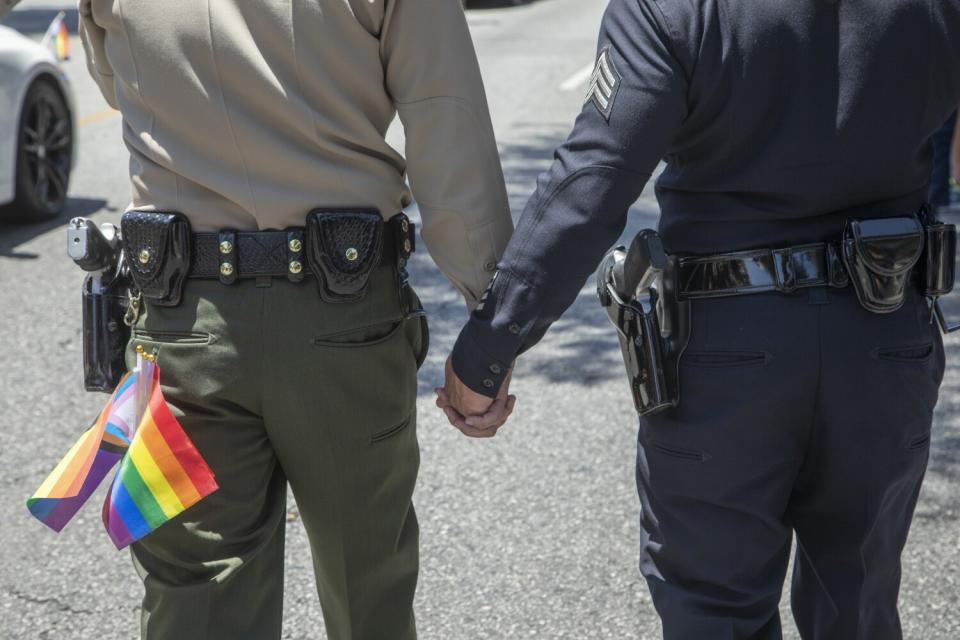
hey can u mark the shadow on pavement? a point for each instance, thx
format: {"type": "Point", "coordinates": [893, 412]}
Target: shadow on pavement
{"type": "Point", "coordinates": [34, 22]}
{"type": "Point", "coordinates": [14, 235]}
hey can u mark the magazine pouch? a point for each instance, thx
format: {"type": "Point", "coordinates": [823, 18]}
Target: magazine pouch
{"type": "Point", "coordinates": [939, 259]}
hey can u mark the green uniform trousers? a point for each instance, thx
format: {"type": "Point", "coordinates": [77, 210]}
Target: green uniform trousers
{"type": "Point", "coordinates": [274, 386]}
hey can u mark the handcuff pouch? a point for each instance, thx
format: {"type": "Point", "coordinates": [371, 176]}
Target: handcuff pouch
{"type": "Point", "coordinates": [880, 255]}
{"type": "Point", "coordinates": [157, 249]}
{"type": "Point", "coordinates": [344, 247]}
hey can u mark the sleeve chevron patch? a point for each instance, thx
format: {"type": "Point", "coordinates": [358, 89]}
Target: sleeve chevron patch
{"type": "Point", "coordinates": [604, 84]}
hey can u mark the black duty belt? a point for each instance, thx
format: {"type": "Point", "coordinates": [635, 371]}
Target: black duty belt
{"type": "Point", "coordinates": [252, 254]}
{"type": "Point", "coordinates": [340, 248]}
{"type": "Point", "coordinates": [761, 270]}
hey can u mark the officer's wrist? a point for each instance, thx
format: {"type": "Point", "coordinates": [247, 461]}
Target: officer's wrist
{"type": "Point", "coordinates": [476, 368]}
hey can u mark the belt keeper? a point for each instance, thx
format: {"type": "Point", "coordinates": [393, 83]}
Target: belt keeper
{"type": "Point", "coordinates": [786, 275]}
{"type": "Point", "coordinates": [295, 260]}
{"type": "Point", "coordinates": [227, 254]}
{"type": "Point", "coordinates": [408, 236]}
{"type": "Point", "coordinates": [836, 273]}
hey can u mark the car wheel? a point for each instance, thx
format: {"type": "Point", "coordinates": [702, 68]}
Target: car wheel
{"type": "Point", "coordinates": [44, 154]}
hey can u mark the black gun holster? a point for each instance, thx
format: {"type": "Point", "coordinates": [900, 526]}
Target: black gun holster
{"type": "Point", "coordinates": [105, 334]}
{"type": "Point", "coordinates": [653, 327]}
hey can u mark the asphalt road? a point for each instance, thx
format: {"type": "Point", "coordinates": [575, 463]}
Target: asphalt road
{"type": "Point", "coordinates": [531, 535]}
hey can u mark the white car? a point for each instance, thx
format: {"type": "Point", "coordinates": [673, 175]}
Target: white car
{"type": "Point", "coordinates": [37, 125]}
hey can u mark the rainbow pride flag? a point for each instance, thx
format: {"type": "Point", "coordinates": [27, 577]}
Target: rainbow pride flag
{"type": "Point", "coordinates": [86, 464]}
{"type": "Point", "coordinates": [57, 37]}
{"type": "Point", "coordinates": [161, 476]}
{"type": "Point", "coordinates": [161, 472]}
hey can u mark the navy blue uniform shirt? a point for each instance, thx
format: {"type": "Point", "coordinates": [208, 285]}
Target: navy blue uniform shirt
{"type": "Point", "coordinates": [777, 120]}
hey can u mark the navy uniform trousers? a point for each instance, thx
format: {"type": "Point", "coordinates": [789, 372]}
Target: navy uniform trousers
{"type": "Point", "coordinates": [799, 413]}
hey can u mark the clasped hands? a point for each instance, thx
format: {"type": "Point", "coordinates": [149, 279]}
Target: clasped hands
{"type": "Point", "coordinates": [474, 414]}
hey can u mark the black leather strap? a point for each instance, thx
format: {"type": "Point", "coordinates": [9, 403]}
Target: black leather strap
{"type": "Point", "coordinates": [761, 270]}
{"type": "Point", "coordinates": [271, 253]}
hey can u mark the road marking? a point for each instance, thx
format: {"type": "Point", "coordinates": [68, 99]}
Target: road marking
{"type": "Point", "coordinates": [97, 117]}
{"type": "Point", "coordinates": [579, 78]}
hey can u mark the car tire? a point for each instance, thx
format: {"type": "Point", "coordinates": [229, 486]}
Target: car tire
{"type": "Point", "coordinates": [44, 156]}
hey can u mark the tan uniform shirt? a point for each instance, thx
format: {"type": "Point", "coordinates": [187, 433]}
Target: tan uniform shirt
{"type": "Point", "coordinates": [246, 115]}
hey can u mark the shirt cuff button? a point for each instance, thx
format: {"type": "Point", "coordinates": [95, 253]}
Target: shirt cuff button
{"type": "Point", "coordinates": [488, 383]}
{"type": "Point", "coordinates": [514, 328]}
{"type": "Point", "coordinates": [495, 369]}
{"type": "Point", "coordinates": [490, 266]}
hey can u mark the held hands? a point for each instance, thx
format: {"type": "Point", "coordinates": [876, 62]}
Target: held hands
{"type": "Point", "coordinates": [474, 414]}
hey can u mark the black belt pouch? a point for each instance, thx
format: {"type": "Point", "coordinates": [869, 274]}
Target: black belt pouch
{"type": "Point", "coordinates": [939, 259]}
{"type": "Point", "coordinates": [880, 255]}
{"type": "Point", "coordinates": [157, 248]}
{"type": "Point", "coordinates": [105, 335]}
{"type": "Point", "coordinates": [344, 247]}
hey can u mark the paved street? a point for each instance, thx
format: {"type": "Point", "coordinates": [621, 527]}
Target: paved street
{"type": "Point", "coordinates": [531, 535]}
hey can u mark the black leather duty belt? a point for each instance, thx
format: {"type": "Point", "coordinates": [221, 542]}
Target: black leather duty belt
{"type": "Point", "coordinates": [252, 254]}
{"type": "Point", "coordinates": [761, 270]}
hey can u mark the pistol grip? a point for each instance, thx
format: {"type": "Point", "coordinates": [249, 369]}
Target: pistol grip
{"type": "Point", "coordinates": [644, 262]}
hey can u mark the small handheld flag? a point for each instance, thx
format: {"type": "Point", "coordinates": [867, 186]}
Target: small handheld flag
{"type": "Point", "coordinates": [161, 472]}
{"type": "Point", "coordinates": [57, 37]}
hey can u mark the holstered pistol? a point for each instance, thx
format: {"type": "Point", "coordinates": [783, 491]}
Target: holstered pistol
{"type": "Point", "coordinates": [106, 286]}
{"type": "Point", "coordinates": [635, 287]}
